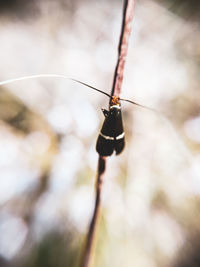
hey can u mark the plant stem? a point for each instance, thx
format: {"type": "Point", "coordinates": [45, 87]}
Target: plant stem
{"type": "Point", "coordinates": [93, 224]}
{"type": "Point", "coordinates": [117, 83]}
{"type": "Point", "coordinates": [123, 46]}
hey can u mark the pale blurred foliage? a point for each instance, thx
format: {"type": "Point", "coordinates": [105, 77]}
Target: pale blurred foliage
{"type": "Point", "coordinates": [48, 128]}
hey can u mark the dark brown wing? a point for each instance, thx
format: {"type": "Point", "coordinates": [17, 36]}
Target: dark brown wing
{"type": "Point", "coordinates": [111, 136]}
{"type": "Point", "coordinates": [104, 147]}
{"type": "Point", "coordinates": [119, 133]}
{"type": "Point", "coordinates": [119, 145]}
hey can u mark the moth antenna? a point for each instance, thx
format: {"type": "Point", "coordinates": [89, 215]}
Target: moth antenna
{"type": "Point", "coordinates": [65, 77]}
{"type": "Point", "coordinates": [33, 77]}
{"type": "Point", "coordinates": [134, 103]}
{"type": "Point", "coordinates": [85, 84]}
{"type": "Point", "coordinates": [50, 76]}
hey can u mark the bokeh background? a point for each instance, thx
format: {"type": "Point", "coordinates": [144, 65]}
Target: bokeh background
{"type": "Point", "coordinates": [48, 128]}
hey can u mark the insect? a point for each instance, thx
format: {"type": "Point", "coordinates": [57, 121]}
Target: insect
{"type": "Point", "coordinates": [111, 137]}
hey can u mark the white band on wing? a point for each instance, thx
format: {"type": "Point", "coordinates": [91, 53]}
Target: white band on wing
{"type": "Point", "coordinates": [107, 137]}
{"type": "Point", "coordinates": [111, 137]}
{"type": "Point", "coordinates": [120, 136]}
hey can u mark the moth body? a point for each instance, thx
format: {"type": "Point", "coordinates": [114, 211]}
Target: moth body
{"type": "Point", "coordinates": [111, 137]}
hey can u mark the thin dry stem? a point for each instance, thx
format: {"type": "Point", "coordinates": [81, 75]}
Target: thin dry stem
{"type": "Point", "coordinates": [93, 224]}
{"type": "Point", "coordinates": [123, 46]}
{"type": "Point", "coordinates": [117, 83]}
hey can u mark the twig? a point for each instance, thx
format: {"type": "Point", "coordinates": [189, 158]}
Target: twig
{"type": "Point", "coordinates": [93, 224]}
{"type": "Point", "coordinates": [123, 46]}
{"type": "Point", "coordinates": [117, 83]}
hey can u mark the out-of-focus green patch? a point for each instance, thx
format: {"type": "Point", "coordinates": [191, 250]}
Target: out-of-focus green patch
{"type": "Point", "coordinates": [55, 250]}
{"type": "Point", "coordinates": [189, 9]}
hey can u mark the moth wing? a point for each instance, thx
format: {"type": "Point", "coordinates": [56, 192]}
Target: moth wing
{"type": "Point", "coordinates": [119, 133]}
{"type": "Point", "coordinates": [104, 147]}
{"type": "Point", "coordinates": [119, 145]}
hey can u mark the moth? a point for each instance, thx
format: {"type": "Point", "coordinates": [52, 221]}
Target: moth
{"type": "Point", "coordinates": [111, 137]}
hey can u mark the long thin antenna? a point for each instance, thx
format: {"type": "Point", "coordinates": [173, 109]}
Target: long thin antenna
{"type": "Point", "coordinates": [65, 77]}
{"type": "Point", "coordinates": [51, 76]}
{"type": "Point", "coordinates": [134, 103]}
{"type": "Point", "coordinates": [33, 77]}
{"type": "Point", "coordinates": [85, 84]}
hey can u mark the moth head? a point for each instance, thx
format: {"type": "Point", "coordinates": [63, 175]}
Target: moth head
{"type": "Point", "coordinates": [115, 101]}
{"type": "Point", "coordinates": [115, 106]}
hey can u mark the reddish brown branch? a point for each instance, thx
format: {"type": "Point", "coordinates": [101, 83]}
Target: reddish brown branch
{"type": "Point", "coordinates": [123, 46]}
{"type": "Point", "coordinates": [93, 224]}
{"type": "Point", "coordinates": [117, 83]}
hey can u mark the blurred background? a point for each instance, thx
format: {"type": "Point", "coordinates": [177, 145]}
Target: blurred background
{"type": "Point", "coordinates": [48, 130]}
